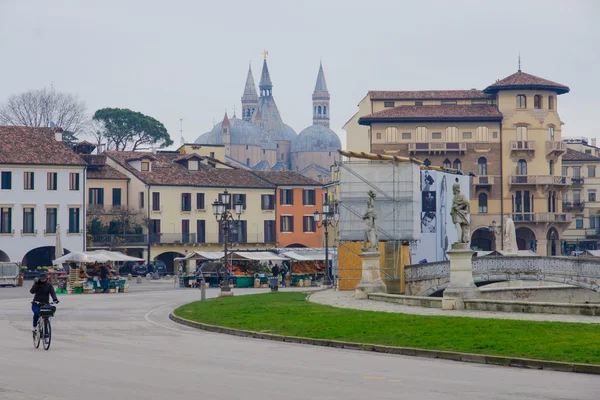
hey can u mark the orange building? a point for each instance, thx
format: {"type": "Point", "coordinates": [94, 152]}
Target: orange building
{"type": "Point", "coordinates": [295, 201]}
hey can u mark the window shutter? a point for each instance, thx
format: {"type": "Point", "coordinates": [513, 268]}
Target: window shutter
{"type": "Point", "coordinates": [90, 191]}
{"type": "Point", "coordinates": [292, 224]}
{"type": "Point", "coordinates": [291, 196]}
{"type": "Point", "coordinates": [304, 224]}
{"type": "Point", "coordinates": [280, 196]}
{"type": "Point", "coordinates": [281, 223]}
{"type": "Point", "coordinates": [101, 196]}
{"type": "Point", "coordinates": [244, 200]}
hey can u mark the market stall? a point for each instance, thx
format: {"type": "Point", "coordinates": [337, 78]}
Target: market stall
{"type": "Point", "coordinates": [188, 277]}
{"type": "Point", "coordinates": [247, 266]}
{"type": "Point", "coordinates": [307, 265]}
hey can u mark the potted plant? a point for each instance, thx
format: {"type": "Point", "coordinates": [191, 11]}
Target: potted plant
{"type": "Point", "coordinates": [21, 275]}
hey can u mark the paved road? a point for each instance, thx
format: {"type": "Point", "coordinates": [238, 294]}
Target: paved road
{"type": "Point", "coordinates": [124, 346]}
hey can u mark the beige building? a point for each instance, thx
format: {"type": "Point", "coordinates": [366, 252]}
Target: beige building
{"type": "Point", "coordinates": [583, 169]}
{"type": "Point", "coordinates": [508, 136]}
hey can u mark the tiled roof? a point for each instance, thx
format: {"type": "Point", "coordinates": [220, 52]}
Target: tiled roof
{"type": "Point", "coordinates": [97, 168]}
{"type": "Point", "coordinates": [166, 172]}
{"type": "Point", "coordinates": [284, 178]}
{"type": "Point", "coordinates": [524, 81]}
{"type": "Point", "coordinates": [574, 155]}
{"type": "Point", "coordinates": [427, 94]}
{"type": "Point", "coordinates": [438, 112]}
{"type": "Point", "coordinates": [34, 146]}
{"type": "Point", "coordinates": [318, 168]}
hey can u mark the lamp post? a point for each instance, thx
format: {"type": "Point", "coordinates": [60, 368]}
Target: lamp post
{"type": "Point", "coordinates": [224, 217]}
{"type": "Point", "coordinates": [324, 219]}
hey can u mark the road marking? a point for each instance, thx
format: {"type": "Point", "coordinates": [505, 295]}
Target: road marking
{"type": "Point", "coordinates": [373, 378]}
{"type": "Point", "coordinates": [394, 380]}
{"type": "Point", "coordinates": [147, 318]}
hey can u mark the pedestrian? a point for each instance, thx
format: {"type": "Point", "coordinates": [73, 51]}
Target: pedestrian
{"type": "Point", "coordinates": [275, 270]}
{"type": "Point", "coordinates": [104, 278]}
{"type": "Point", "coordinates": [284, 272]}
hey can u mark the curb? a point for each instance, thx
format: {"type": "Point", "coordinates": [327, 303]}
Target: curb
{"type": "Point", "coordinates": [405, 351]}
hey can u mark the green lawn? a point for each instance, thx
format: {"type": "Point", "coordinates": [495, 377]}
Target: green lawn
{"type": "Point", "coordinates": [290, 314]}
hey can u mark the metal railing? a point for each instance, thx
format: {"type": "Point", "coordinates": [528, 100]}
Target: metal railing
{"type": "Point", "coordinates": [542, 217]}
{"type": "Point", "coordinates": [577, 181]}
{"type": "Point", "coordinates": [538, 180]}
{"type": "Point", "coordinates": [592, 233]}
{"type": "Point", "coordinates": [116, 240]}
{"type": "Point", "coordinates": [441, 147]}
{"type": "Point", "coordinates": [573, 204]}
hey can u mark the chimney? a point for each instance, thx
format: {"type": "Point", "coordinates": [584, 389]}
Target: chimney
{"type": "Point", "coordinates": [58, 134]}
{"type": "Point", "coordinates": [594, 142]}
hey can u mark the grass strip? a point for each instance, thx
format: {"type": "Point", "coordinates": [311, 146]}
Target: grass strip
{"type": "Point", "coordinates": [291, 315]}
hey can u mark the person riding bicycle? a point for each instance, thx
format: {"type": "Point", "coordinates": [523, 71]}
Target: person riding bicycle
{"type": "Point", "coordinates": [42, 290]}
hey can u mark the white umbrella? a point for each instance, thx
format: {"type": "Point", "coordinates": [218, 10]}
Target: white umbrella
{"type": "Point", "coordinates": [58, 248]}
{"type": "Point", "coordinates": [113, 255]}
{"type": "Point", "coordinates": [80, 256]}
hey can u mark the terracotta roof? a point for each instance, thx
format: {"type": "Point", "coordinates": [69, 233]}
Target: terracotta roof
{"type": "Point", "coordinates": [34, 146]}
{"type": "Point", "coordinates": [166, 172]}
{"type": "Point", "coordinates": [427, 94]}
{"type": "Point", "coordinates": [97, 168]}
{"type": "Point", "coordinates": [286, 178]}
{"type": "Point", "coordinates": [478, 112]}
{"type": "Point", "coordinates": [574, 155]}
{"type": "Point", "coordinates": [523, 81]}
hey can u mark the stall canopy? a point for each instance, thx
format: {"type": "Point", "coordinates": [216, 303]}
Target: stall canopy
{"type": "Point", "coordinates": [114, 255]}
{"type": "Point", "coordinates": [94, 256]}
{"type": "Point", "coordinates": [308, 254]}
{"type": "Point", "coordinates": [202, 255]}
{"type": "Point", "coordinates": [257, 255]}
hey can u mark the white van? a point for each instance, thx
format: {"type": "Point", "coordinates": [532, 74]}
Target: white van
{"type": "Point", "coordinates": [9, 273]}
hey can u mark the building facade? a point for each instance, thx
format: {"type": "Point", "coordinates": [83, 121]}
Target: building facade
{"type": "Point", "coordinates": [42, 192]}
{"type": "Point", "coordinates": [261, 141]}
{"type": "Point", "coordinates": [507, 136]}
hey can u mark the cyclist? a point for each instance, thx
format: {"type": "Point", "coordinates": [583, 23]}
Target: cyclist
{"type": "Point", "coordinates": [42, 290]}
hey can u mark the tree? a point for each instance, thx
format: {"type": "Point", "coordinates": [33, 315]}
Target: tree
{"type": "Point", "coordinates": [130, 130]}
{"type": "Point", "coordinates": [41, 108]}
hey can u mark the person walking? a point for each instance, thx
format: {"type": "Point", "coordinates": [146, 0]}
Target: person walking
{"type": "Point", "coordinates": [104, 278]}
{"type": "Point", "coordinates": [275, 280]}
{"type": "Point", "coordinates": [284, 272]}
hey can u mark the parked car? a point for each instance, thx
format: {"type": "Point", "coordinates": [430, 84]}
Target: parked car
{"type": "Point", "coordinates": [157, 267]}
{"type": "Point", "coordinates": [139, 269]}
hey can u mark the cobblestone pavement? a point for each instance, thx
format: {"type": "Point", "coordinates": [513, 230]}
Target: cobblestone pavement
{"type": "Point", "coordinates": [345, 299]}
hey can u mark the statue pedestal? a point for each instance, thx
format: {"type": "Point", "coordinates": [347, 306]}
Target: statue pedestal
{"type": "Point", "coordinates": [371, 276]}
{"type": "Point", "coordinates": [461, 285]}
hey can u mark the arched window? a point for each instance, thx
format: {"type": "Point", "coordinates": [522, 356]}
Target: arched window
{"type": "Point", "coordinates": [537, 102]}
{"type": "Point", "coordinates": [457, 165]}
{"type": "Point", "coordinates": [521, 133]}
{"type": "Point", "coordinates": [324, 110]}
{"type": "Point", "coordinates": [482, 166]}
{"type": "Point", "coordinates": [551, 167]}
{"type": "Point", "coordinates": [522, 167]}
{"type": "Point", "coordinates": [521, 101]}
{"type": "Point", "coordinates": [319, 108]}
{"type": "Point", "coordinates": [551, 133]}
{"type": "Point", "coordinates": [483, 207]}
{"type": "Point", "coordinates": [551, 104]}
{"type": "Point", "coordinates": [483, 134]}
{"type": "Point", "coordinates": [391, 134]}
{"type": "Point", "coordinates": [447, 163]}
{"type": "Point", "coordinates": [247, 112]}
{"type": "Point", "coordinates": [452, 134]}
{"type": "Point", "coordinates": [253, 111]}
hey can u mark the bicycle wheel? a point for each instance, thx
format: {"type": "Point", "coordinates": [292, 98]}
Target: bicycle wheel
{"type": "Point", "coordinates": [47, 334]}
{"type": "Point", "coordinates": [37, 335]}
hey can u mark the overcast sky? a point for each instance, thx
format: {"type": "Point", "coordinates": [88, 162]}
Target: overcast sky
{"type": "Point", "coordinates": [188, 59]}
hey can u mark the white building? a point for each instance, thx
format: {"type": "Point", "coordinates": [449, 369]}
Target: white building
{"type": "Point", "coordinates": [42, 185]}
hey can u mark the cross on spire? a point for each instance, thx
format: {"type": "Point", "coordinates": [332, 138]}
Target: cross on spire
{"type": "Point", "coordinates": [519, 60]}
{"type": "Point", "coordinates": [234, 109]}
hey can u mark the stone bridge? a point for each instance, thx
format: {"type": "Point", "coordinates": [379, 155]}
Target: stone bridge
{"type": "Point", "coordinates": [429, 279]}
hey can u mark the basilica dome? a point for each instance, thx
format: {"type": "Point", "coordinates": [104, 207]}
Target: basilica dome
{"type": "Point", "coordinates": [316, 138]}
{"type": "Point", "coordinates": [241, 132]}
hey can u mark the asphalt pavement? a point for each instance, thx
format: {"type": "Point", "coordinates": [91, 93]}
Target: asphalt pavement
{"type": "Point", "coordinates": [123, 346]}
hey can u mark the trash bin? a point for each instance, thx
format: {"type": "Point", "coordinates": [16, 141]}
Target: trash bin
{"type": "Point", "coordinates": [273, 283]}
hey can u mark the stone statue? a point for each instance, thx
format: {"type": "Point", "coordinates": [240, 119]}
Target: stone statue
{"type": "Point", "coordinates": [370, 216]}
{"type": "Point", "coordinates": [510, 236]}
{"type": "Point", "coordinates": [460, 214]}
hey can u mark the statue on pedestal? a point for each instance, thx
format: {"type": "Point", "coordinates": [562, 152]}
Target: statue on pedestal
{"type": "Point", "coordinates": [510, 236]}
{"type": "Point", "coordinates": [460, 214]}
{"type": "Point", "coordinates": [370, 216]}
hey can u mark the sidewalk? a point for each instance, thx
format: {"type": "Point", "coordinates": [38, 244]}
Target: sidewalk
{"type": "Point", "coordinates": [345, 299]}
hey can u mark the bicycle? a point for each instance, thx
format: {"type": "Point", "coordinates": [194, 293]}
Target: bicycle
{"type": "Point", "coordinates": [44, 329]}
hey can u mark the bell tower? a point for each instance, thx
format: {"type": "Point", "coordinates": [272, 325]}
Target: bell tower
{"type": "Point", "coordinates": [321, 100]}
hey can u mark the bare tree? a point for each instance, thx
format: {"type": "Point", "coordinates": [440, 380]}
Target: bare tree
{"type": "Point", "coordinates": [38, 108]}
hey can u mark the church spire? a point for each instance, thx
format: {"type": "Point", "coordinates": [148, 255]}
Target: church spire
{"type": "Point", "coordinates": [250, 97]}
{"type": "Point", "coordinates": [265, 85]}
{"type": "Point", "coordinates": [321, 100]}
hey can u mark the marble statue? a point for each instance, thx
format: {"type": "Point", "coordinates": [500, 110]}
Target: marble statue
{"type": "Point", "coordinates": [460, 214]}
{"type": "Point", "coordinates": [370, 216]}
{"type": "Point", "coordinates": [510, 236]}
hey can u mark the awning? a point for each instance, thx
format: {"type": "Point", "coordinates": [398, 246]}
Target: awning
{"type": "Point", "coordinates": [257, 255]}
{"type": "Point", "coordinates": [305, 256]}
{"type": "Point", "coordinates": [113, 255]}
{"type": "Point", "coordinates": [202, 255]}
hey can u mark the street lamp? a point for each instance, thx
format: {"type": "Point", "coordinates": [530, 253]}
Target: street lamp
{"type": "Point", "coordinates": [324, 219]}
{"type": "Point", "coordinates": [224, 217]}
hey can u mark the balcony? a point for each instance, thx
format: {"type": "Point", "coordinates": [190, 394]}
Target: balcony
{"type": "Point", "coordinates": [118, 240]}
{"type": "Point", "coordinates": [522, 146]}
{"type": "Point", "coordinates": [542, 218]}
{"type": "Point", "coordinates": [577, 181]}
{"type": "Point", "coordinates": [437, 148]}
{"type": "Point", "coordinates": [592, 233]}
{"type": "Point", "coordinates": [171, 238]}
{"type": "Point", "coordinates": [539, 180]}
{"type": "Point", "coordinates": [555, 148]}
{"type": "Point", "coordinates": [575, 205]}
{"type": "Point", "coordinates": [483, 180]}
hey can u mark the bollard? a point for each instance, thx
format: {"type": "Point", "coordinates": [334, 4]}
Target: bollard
{"type": "Point", "coordinates": [129, 277]}
{"type": "Point", "coordinates": [202, 289]}
{"type": "Point", "coordinates": [139, 279]}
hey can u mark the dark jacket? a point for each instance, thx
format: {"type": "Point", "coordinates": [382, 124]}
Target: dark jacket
{"type": "Point", "coordinates": [42, 292]}
{"type": "Point", "coordinates": [275, 270]}
{"type": "Point", "coordinates": [103, 272]}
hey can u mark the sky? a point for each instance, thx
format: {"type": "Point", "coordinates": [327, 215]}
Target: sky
{"type": "Point", "coordinates": [188, 59]}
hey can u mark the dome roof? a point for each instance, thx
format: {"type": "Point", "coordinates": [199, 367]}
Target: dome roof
{"type": "Point", "coordinates": [241, 132]}
{"type": "Point", "coordinates": [288, 133]}
{"type": "Point", "coordinates": [316, 138]}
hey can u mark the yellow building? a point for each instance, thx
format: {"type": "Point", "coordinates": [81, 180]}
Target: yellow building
{"type": "Point", "coordinates": [507, 136]}
{"type": "Point", "coordinates": [583, 169]}
{"type": "Point", "coordinates": [176, 191]}
{"type": "Point", "coordinates": [216, 151]}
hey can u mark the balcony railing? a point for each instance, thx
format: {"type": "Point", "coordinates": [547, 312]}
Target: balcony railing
{"type": "Point", "coordinates": [119, 240]}
{"type": "Point", "coordinates": [171, 238]}
{"type": "Point", "coordinates": [483, 180]}
{"type": "Point", "coordinates": [108, 240]}
{"type": "Point", "coordinates": [577, 181]}
{"type": "Point", "coordinates": [548, 180]}
{"type": "Point", "coordinates": [574, 204]}
{"type": "Point", "coordinates": [446, 147]}
{"type": "Point", "coordinates": [555, 148]}
{"type": "Point", "coordinates": [592, 233]}
{"type": "Point", "coordinates": [522, 145]}
{"type": "Point", "coordinates": [543, 217]}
